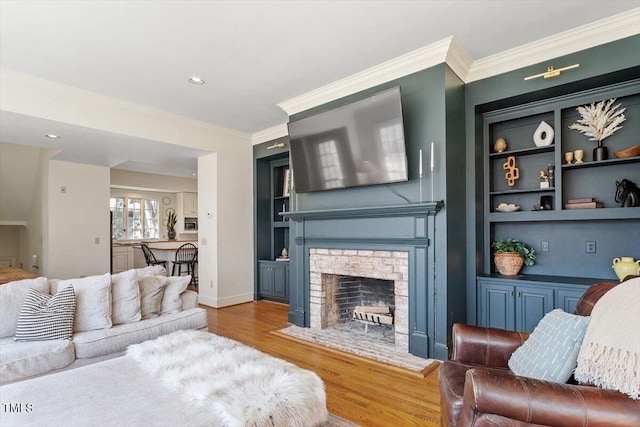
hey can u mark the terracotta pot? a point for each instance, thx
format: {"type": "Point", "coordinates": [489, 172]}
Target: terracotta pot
{"type": "Point", "coordinates": [508, 263]}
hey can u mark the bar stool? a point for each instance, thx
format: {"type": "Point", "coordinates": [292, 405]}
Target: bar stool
{"type": "Point", "coordinates": [150, 258]}
{"type": "Point", "coordinates": [185, 256]}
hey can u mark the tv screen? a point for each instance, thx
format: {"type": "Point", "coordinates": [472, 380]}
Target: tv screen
{"type": "Point", "coordinates": [358, 144]}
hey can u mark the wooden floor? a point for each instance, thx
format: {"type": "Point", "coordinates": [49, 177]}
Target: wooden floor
{"type": "Point", "coordinates": [366, 392]}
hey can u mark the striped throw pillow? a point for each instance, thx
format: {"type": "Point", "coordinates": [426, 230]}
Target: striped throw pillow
{"type": "Point", "coordinates": [46, 317]}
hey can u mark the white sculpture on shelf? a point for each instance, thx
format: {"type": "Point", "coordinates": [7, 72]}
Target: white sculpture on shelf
{"type": "Point", "coordinates": [543, 136]}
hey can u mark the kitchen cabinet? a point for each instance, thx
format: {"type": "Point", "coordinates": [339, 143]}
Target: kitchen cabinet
{"type": "Point", "coordinates": [186, 212]}
{"type": "Point", "coordinates": [122, 258]}
{"type": "Point", "coordinates": [273, 280]}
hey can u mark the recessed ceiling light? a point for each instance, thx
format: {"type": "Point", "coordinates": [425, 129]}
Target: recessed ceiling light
{"type": "Point", "coordinates": [52, 136]}
{"type": "Point", "coordinates": [196, 80]}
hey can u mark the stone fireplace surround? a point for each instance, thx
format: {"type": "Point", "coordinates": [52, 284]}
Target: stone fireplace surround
{"type": "Point", "coordinates": [408, 228]}
{"type": "Point", "coordinates": [386, 265]}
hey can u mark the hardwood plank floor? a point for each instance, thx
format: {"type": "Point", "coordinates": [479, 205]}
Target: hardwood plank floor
{"type": "Point", "coordinates": [366, 392]}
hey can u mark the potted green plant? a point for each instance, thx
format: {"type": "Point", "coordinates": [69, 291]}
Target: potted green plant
{"type": "Point", "coordinates": [511, 254]}
{"type": "Point", "coordinates": [171, 225]}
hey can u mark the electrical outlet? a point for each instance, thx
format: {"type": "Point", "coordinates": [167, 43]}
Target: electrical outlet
{"type": "Point", "coordinates": [591, 247]}
{"type": "Point", "coordinates": [96, 240]}
{"type": "Point", "coordinates": [544, 246]}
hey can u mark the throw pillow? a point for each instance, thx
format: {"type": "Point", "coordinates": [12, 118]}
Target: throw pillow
{"type": "Point", "coordinates": [172, 301]}
{"type": "Point", "coordinates": [12, 297]}
{"type": "Point", "coordinates": [551, 351]}
{"type": "Point", "coordinates": [151, 293]}
{"type": "Point", "coordinates": [46, 317]}
{"type": "Point", "coordinates": [610, 353]}
{"type": "Point", "coordinates": [93, 301]}
{"type": "Point", "coordinates": [152, 270]}
{"type": "Point", "coordinates": [125, 298]}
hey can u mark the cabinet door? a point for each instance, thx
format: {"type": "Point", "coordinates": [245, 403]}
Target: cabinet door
{"type": "Point", "coordinates": [280, 282]}
{"type": "Point", "coordinates": [532, 303]}
{"type": "Point", "coordinates": [120, 260]}
{"type": "Point", "coordinates": [266, 280]}
{"type": "Point", "coordinates": [496, 306]}
{"type": "Point", "coordinates": [190, 204]}
{"type": "Point", "coordinates": [567, 299]}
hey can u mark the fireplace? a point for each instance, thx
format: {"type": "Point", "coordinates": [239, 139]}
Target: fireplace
{"type": "Point", "coordinates": [394, 243]}
{"type": "Point", "coordinates": [341, 279]}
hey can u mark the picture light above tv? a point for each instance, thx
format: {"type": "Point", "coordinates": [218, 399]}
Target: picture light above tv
{"type": "Point", "coordinates": [358, 144]}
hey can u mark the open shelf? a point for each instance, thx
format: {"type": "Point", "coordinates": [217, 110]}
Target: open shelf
{"type": "Point", "coordinates": [523, 191]}
{"type": "Point", "coordinates": [609, 162]}
{"type": "Point", "coordinates": [523, 151]}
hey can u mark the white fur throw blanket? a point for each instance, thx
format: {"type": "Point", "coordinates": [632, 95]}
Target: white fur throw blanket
{"type": "Point", "coordinates": [239, 384]}
{"type": "Point", "coordinates": [610, 353]}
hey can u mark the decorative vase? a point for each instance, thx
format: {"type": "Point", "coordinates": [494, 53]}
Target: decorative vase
{"type": "Point", "coordinates": [508, 263]}
{"type": "Point", "coordinates": [600, 152]}
{"type": "Point", "coordinates": [626, 266]}
{"type": "Point", "coordinates": [171, 235]}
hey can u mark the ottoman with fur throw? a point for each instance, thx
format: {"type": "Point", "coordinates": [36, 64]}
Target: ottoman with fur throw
{"type": "Point", "coordinates": [190, 378]}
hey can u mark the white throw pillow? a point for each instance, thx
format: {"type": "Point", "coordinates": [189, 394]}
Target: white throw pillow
{"type": "Point", "coordinates": [93, 301]}
{"type": "Point", "coordinates": [45, 317]}
{"type": "Point", "coordinates": [152, 270]}
{"type": "Point", "coordinates": [151, 293]}
{"type": "Point", "coordinates": [125, 298]}
{"type": "Point", "coordinates": [12, 297]}
{"type": "Point", "coordinates": [171, 301]}
{"type": "Point", "coordinates": [551, 351]}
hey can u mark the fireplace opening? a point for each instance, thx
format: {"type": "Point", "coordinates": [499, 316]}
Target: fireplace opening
{"type": "Point", "coordinates": [372, 300]}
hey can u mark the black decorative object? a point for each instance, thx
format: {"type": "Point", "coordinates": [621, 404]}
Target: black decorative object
{"type": "Point", "coordinates": [600, 152]}
{"type": "Point", "coordinates": [627, 194]}
{"type": "Point", "coordinates": [552, 176]}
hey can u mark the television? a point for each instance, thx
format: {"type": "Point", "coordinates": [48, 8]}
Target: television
{"type": "Point", "coordinates": [358, 144]}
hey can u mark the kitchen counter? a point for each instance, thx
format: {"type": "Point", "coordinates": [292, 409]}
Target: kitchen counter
{"type": "Point", "coordinates": [169, 244]}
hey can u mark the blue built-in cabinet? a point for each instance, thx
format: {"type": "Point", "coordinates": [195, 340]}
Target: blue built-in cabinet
{"type": "Point", "coordinates": [574, 247]}
{"type": "Point", "coordinates": [519, 303]}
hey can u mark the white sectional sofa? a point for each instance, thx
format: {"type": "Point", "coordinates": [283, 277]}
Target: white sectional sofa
{"type": "Point", "coordinates": [112, 312]}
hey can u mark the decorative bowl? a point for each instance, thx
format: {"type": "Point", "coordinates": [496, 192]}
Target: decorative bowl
{"type": "Point", "coordinates": [507, 207]}
{"type": "Point", "coordinates": [629, 152]}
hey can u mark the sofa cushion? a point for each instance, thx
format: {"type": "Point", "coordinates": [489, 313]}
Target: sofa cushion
{"type": "Point", "coordinates": [93, 301]}
{"type": "Point", "coordinates": [20, 360]}
{"type": "Point", "coordinates": [12, 297]}
{"type": "Point", "coordinates": [125, 298]}
{"type": "Point", "coordinates": [551, 352]}
{"type": "Point", "coordinates": [118, 338]}
{"type": "Point", "coordinates": [151, 293]}
{"type": "Point", "coordinates": [171, 301]}
{"type": "Point", "coordinates": [152, 270]}
{"type": "Point", "coordinates": [46, 317]}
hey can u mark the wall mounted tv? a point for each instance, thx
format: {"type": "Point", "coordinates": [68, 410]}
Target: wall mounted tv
{"type": "Point", "coordinates": [357, 144]}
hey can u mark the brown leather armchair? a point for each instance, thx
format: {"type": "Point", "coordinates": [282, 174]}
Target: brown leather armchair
{"type": "Point", "coordinates": [478, 389]}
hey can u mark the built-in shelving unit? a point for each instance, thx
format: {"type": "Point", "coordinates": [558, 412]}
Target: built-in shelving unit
{"type": "Point", "coordinates": [566, 269]}
{"type": "Point", "coordinates": [273, 197]}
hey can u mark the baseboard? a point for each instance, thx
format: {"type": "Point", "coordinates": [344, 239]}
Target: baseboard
{"type": "Point", "coordinates": [226, 301]}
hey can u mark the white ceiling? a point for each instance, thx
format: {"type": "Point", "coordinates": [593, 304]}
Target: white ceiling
{"type": "Point", "coordinates": [252, 55]}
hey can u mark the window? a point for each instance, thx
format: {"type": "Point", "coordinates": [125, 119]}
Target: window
{"type": "Point", "coordinates": [134, 218]}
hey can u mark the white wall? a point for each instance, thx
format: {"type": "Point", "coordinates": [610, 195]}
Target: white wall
{"type": "Point", "coordinates": [76, 219]}
{"type": "Point", "coordinates": [225, 206]}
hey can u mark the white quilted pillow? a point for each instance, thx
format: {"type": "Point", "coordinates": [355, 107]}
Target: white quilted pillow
{"type": "Point", "coordinates": [93, 302]}
{"type": "Point", "coordinates": [125, 298]}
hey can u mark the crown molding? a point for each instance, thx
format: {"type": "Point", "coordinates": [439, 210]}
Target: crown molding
{"type": "Point", "coordinates": [401, 66]}
{"type": "Point", "coordinates": [270, 134]}
{"type": "Point", "coordinates": [458, 59]}
{"type": "Point", "coordinates": [607, 30]}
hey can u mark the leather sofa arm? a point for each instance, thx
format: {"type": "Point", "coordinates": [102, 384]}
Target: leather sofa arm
{"type": "Point", "coordinates": [498, 395]}
{"type": "Point", "coordinates": [485, 346]}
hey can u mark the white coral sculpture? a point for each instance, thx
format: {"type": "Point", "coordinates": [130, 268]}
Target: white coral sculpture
{"type": "Point", "coordinates": [600, 120]}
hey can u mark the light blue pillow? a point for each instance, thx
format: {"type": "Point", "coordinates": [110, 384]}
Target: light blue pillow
{"type": "Point", "coordinates": [551, 352]}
